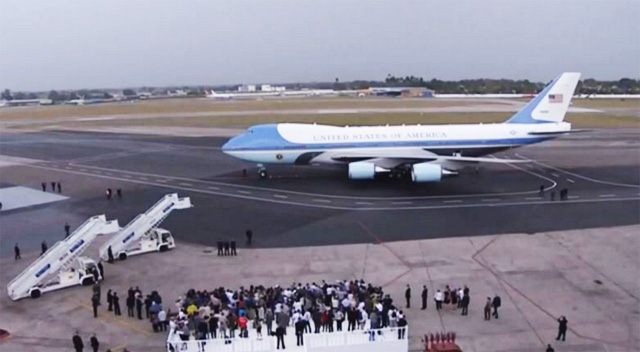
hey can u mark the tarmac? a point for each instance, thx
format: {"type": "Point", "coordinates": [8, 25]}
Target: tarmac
{"type": "Point", "coordinates": [590, 276]}
{"type": "Point", "coordinates": [488, 228]}
{"type": "Point", "coordinates": [601, 170]}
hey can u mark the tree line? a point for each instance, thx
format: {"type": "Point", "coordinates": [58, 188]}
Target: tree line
{"type": "Point", "coordinates": [465, 86]}
{"type": "Point", "coordinates": [509, 86]}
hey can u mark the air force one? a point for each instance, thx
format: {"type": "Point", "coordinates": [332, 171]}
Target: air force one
{"type": "Point", "coordinates": [427, 152]}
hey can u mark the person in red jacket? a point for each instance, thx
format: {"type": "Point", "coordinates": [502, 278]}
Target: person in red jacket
{"type": "Point", "coordinates": [242, 324]}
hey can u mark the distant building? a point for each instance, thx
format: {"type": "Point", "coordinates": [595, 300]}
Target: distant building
{"type": "Point", "coordinates": [247, 88]}
{"type": "Point", "coordinates": [407, 92]}
{"type": "Point", "coordinates": [270, 88]}
{"type": "Point", "coordinates": [25, 102]}
{"type": "Point", "coordinates": [418, 93]}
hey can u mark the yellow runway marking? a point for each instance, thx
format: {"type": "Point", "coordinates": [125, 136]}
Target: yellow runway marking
{"type": "Point", "coordinates": [118, 348]}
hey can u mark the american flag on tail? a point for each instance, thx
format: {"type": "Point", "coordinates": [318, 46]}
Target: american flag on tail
{"type": "Point", "coordinates": [555, 98]}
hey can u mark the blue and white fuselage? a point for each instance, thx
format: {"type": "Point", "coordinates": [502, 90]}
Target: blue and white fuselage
{"type": "Point", "coordinates": [372, 149]}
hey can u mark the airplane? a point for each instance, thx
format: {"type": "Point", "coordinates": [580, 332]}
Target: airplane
{"type": "Point", "coordinates": [427, 152]}
{"type": "Point", "coordinates": [307, 92]}
{"type": "Point", "coordinates": [214, 95]}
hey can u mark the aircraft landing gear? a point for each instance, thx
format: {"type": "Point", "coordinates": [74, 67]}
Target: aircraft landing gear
{"type": "Point", "coordinates": [262, 172]}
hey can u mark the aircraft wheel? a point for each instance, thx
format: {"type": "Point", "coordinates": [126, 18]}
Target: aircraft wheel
{"type": "Point", "coordinates": [35, 293]}
{"type": "Point", "coordinates": [263, 174]}
{"type": "Point", "coordinates": [122, 256]}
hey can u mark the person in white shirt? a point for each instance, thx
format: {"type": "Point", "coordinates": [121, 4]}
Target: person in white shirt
{"type": "Point", "coordinates": [439, 298]}
{"type": "Point", "coordinates": [363, 318]}
{"type": "Point", "coordinates": [393, 318]}
{"type": "Point", "coordinates": [162, 320]}
{"type": "Point", "coordinates": [296, 317]}
{"type": "Point", "coordinates": [307, 319]}
{"type": "Point", "coordinates": [346, 303]}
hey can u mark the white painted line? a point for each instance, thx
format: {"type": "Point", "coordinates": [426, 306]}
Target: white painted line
{"type": "Point", "coordinates": [453, 201]}
{"type": "Point", "coordinates": [337, 196]}
{"type": "Point", "coordinates": [83, 170]}
{"type": "Point", "coordinates": [574, 197]}
{"type": "Point", "coordinates": [606, 195]}
{"type": "Point", "coordinates": [144, 178]}
{"type": "Point", "coordinates": [280, 196]}
{"type": "Point", "coordinates": [321, 200]}
{"type": "Point", "coordinates": [468, 205]}
{"type": "Point", "coordinates": [97, 172]}
{"type": "Point", "coordinates": [108, 174]}
{"type": "Point", "coordinates": [533, 198]}
{"type": "Point", "coordinates": [555, 175]}
{"type": "Point", "coordinates": [244, 192]}
{"type": "Point", "coordinates": [127, 176]}
{"type": "Point", "coordinates": [491, 200]}
{"type": "Point", "coordinates": [401, 203]}
{"type": "Point", "coordinates": [364, 203]}
{"type": "Point", "coordinates": [185, 184]}
{"type": "Point", "coordinates": [214, 188]}
{"type": "Point", "coordinates": [580, 176]}
{"type": "Point", "coordinates": [160, 180]}
{"type": "Point", "coordinates": [570, 180]}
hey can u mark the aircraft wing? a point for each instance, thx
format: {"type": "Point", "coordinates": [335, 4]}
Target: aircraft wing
{"type": "Point", "coordinates": [393, 158]}
{"type": "Point", "coordinates": [554, 133]}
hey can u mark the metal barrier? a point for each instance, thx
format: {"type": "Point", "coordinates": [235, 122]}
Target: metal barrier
{"type": "Point", "coordinates": [387, 339]}
{"type": "Point", "coordinates": [222, 345]}
{"type": "Point", "coordinates": [384, 340]}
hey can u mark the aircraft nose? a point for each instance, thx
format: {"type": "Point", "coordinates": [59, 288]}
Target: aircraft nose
{"type": "Point", "coordinates": [230, 145]}
{"type": "Point", "coordinates": [226, 146]}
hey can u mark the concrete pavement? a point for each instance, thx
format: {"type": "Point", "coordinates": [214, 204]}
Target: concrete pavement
{"type": "Point", "coordinates": [590, 276]}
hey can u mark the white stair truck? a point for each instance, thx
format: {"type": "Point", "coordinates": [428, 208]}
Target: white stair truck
{"type": "Point", "coordinates": [142, 234]}
{"type": "Point", "coordinates": [62, 265]}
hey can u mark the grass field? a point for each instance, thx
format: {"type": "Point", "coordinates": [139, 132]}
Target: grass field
{"type": "Point", "coordinates": [204, 105]}
{"type": "Point", "coordinates": [143, 113]}
{"type": "Point", "coordinates": [599, 103]}
{"type": "Point", "coordinates": [607, 103]}
{"type": "Point", "coordinates": [578, 120]}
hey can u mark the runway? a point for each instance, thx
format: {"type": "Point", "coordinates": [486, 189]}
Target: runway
{"type": "Point", "coordinates": [319, 206]}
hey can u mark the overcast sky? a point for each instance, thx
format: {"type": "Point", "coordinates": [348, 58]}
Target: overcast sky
{"type": "Point", "coordinates": [122, 43]}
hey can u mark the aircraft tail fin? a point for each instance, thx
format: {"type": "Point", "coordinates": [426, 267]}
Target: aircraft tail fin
{"type": "Point", "coordinates": [551, 104]}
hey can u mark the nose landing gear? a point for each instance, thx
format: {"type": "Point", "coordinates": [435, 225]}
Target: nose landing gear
{"type": "Point", "coordinates": [262, 172]}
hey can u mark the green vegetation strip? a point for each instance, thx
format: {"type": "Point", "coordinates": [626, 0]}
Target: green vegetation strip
{"type": "Point", "coordinates": [578, 120]}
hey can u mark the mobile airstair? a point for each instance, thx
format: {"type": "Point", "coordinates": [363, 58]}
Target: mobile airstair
{"type": "Point", "coordinates": [62, 265]}
{"type": "Point", "coordinates": [142, 234]}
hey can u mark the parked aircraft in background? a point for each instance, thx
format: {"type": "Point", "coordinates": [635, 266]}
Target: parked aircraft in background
{"type": "Point", "coordinates": [214, 95]}
{"type": "Point", "coordinates": [427, 153]}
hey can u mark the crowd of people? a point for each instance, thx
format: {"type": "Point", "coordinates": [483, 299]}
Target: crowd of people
{"type": "Point", "coordinates": [458, 298]}
{"type": "Point", "coordinates": [324, 307]}
{"type": "Point", "coordinates": [311, 308]}
{"type": "Point", "coordinates": [136, 303]}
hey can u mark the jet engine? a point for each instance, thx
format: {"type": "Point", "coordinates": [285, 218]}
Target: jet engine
{"type": "Point", "coordinates": [427, 172]}
{"type": "Point", "coordinates": [362, 170]}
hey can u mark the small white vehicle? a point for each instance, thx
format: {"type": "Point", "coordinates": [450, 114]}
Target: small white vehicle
{"type": "Point", "coordinates": [158, 240]}
{"type": "Point", "coordinates": [83, 271]}
{"type": "Point", "coordinates": [63, 264]}
{"type": "Point", "coordinates": [142, 234]}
